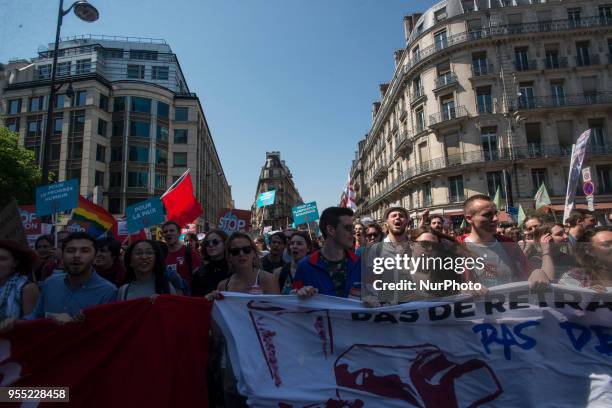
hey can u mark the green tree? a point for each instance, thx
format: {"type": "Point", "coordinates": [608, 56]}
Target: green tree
{"type": "Point", "coordinates": [19, 171]}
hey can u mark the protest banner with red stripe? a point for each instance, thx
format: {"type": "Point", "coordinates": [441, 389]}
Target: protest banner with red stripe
{"type": "Point", "coordinates": [133, 353]}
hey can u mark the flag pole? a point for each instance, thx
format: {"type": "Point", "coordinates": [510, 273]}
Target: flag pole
{"type": "Point", "coordinates": [176, 183]}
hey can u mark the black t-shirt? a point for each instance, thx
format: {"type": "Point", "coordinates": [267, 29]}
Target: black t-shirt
{"type": "Point", "coordinates": [268, 265]}
{"type": "Point", "coordinates": [208, 276]}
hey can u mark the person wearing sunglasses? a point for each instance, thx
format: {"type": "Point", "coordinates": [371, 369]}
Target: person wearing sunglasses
{"type": "Point", "coordinates": [335, 270]}
{"type": "Point", "coordinates": [214, 268]}
{"type": "Point", "coordinates": [145, 272]}
{"type": "Point", "coordinates": [246, 275]}
{"type": "Point", "coordinates": [373, 234]}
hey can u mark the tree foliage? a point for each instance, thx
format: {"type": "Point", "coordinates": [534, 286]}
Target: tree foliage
{"type": "Point", "coordinates": [19, 171]}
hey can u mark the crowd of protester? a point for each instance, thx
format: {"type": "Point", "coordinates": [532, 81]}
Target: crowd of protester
{"type": "Point", "coordinates": [59, 281]}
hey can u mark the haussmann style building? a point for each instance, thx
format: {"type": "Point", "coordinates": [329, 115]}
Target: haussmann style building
{"type": "Point", "coordinates": [490, 94]}
{"type": "Point", "coordinates": [125, 121]}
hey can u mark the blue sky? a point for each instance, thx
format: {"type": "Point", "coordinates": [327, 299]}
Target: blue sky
{"type": "Point", "coordinates": [298, 76]}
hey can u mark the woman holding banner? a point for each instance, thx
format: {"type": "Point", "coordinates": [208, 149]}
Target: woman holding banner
{"type": "Point", "coordinates": [300, 245]}
{"type": "Point", "coordinates": [145, 272]}
{"type": "Point", "coordinates": [18, 296]}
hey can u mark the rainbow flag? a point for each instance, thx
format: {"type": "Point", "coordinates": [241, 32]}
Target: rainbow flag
{"type": "Point", "coordinates": [93, 218]}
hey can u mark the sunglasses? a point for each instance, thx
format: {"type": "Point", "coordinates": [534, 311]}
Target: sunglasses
{"type": "Point", "coordinates": [371, 235]}
{"type": "Point", "coordinates": [212, 243]}
{"type": "Point", "coordinates": [236, 251]}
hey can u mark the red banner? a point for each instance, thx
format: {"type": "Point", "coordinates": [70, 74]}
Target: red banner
{"type": "Point", "coordinates": [133, 353]}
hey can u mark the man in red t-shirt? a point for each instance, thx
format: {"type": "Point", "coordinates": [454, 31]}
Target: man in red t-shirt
{"type": "Point", "coordinates": [180, 258]}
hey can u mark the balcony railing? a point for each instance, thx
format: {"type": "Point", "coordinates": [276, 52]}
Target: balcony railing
{"type": "Point", "coordinates": [380, 171]}
{"type": "Point", "coordinates": [587, 60]}
{"type": "Point", "coordinates": [556, 63]}
{"type": "Point", "coordinates": [401, 140]}
{"type": "Point", "coordinates": [482, 70]}
{"type": "Point", "coordinates": [417, 93]}
{"type": "Point", "coordinates": [447, 114]}
{"type": "Point", "coordinates": [447, 79]}
{"type": "Point", "coordinates": [553, 101]}
{"type": "Point", "coordinates": [526, 65]}
{"type": "Point", "coordinates": [486, 108]}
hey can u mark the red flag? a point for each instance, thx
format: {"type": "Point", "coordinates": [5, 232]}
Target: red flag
{"type": "Point", "coordinates": [123, 354]}
{"type": "Point", "coordinates": [180, 202]}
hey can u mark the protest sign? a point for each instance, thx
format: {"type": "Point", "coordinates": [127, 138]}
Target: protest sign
{"type": "Point", "coordinates": [231, 220]}
{"type": "Point", "coordinates": [33, 226]}
{"type": "Point", "coordinates": [578, 153]}
{"type": "Point", "coordinates": [266, 198]}
{"type": "Point", "coordinates": [588, 188]}
{"type": "Point", "coordinates": [502, 351]}
{"type": "Point", "coordinates": [11, 226]}
{"type": "Point", "coordinates": [144, 214]}
{"type": "Point", "coordinates": [57, 197]}
{"type": "Point", "coordinates": [305, 213]}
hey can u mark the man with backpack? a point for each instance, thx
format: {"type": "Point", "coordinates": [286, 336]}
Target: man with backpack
{"type": "Point", "coordinates": [180, 258]}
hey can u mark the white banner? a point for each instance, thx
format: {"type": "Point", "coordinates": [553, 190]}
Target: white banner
{"type": "Point", "coordinates": [502, 352]}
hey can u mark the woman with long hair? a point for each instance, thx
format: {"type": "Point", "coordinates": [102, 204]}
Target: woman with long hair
{"type": "Point", "coordinates": [145, 272]}
{"type": "Point", "coordinates": [300, 245]}
{"type": "Point", "coordinates": [214, 266]}
{"type": "Point", "coordinates": [18, 295]}
{"type": "Point", "coordinates": [549, 257]}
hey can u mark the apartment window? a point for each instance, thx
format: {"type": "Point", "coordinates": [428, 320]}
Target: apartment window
{"type": "Point", "coordinates": [605, 12]}
{"type": "Point", "coordinates": [141, 105]}
{"type": "Point", "coordinates": [538, 177]}
{"type": "Point", "coordinates": [416, 54]}
{"type": "Point", "coordinates": [118, 127]}
{"type": "Point", "coordinates": [102, 127]}
{"type": "Point", "coordinates": [80, 99]}
{"type": "Point", "coordinates": [544, 20]}
{"type": "Point", "coordinates": [116, 154]}
{"type": "Point", "coordinates": [162, 133]}
{"type": "Point", "coordinates": [480, 65]}
{"type": "Point", "coordinates": [448, 107]}
{"type": "Point", "coordinates": [565, 136]}
{"type": "Point", "coordinates": [440, 40]}
{"type": "Point", "coordinates": [419, 29]}
{"type": "Point", "coordinates": [12, 124]}
{"type": "Point", "coordinates": [59, 102]}
{"type": "Point", "coordinates": [417, 88]}
{"type": "Point", "coordinates": [58, 122]}
{"type": "Point", "coordinates": [468, 5]}
{"type": "Point", "coordinates": [474, 27]}
{"type": "Point", "coordinates": [515, 23]}
{"type": "Point", "coordinates": [113, 53]}
{"type": "Point", "coordinates": [55, 151]}
{"type": "Point", "coordinates": [75, 150]}
{"type": "Point", "coordinates": [135, 71]}
{"type": "Point", "coordinates": [488, 140]}
{"type": "Point", "coordinates": [180, 159]}
{"type": "Point", "coordinates": [557, 92]}
{"type": "Point", "coordinates": [534, 139]}
{"type": "Point", "coordinates": [159, 73]}
{"type": "Point", "coordinates": [552, 59]}
{"type": "Point", "coordinates": [99, 178]}
{"type": "Point", "coordinates": [597, 134]}
{"type": "Point", "coordinates": [426, 194]}
{"type": "Point", "coordinates": [484, 101]}
{"type": "Point", "coordinates": [44, 71]}
{"type": "Point", "coordinates": [455, 189]}
{"type": "Point", "coordinates": [420, 120]}
{"type": "Point", "coordinates": [115, 179]}
{"type": "Point", "coordinates": [143, 55]}
{"type": "Point", "coordinates": [36, 103]}
{"type": "Point", "coordinates": [589, 89]}
{"type": "Point", "coordinates": [604, 179]}
{"type": "Point", "coordinates": [100, 153]}
{"type": "Point", "coordinates": [139, 154]}
{"type": "Point", "coordinates": [138, 179]}
{"type": "Point", "coordinates": [83, 66]}
{"type": "Point", "coordinates": [103, 102]}
{"type": "Point", "coordinates": [119, 104]}
{"type": "Point", "coordinates": [161, 157]}
{"type": "Point", "coordinates": [34, 127]}
{"type": "Point", "coordinates": [78, 123]}
{"type": "Point", "coordinates": [74, 173]}
{"type": "Point", "coordinates": [181, 114]}
{"type": "Point", "coordinates": [161, 181]}
{"type": "Point", "coordinates": [180, 136]}
{"type": "Point", "coordinates": [440, 14]}
{"type": "Point", "coordinates": [573, 16]}
{"type": "Point", "coordinates": [14, 106]}
{"type": "Point", "coordinates": [582, 53]}
{"type": "Point", "coordinates": [139, 129]}
{"type": "Point", "coordinates": [162, 110]}
{"type": "Point", "coordinates": [63, 69]}
{"type": "Point", "coordinates": [494, 181]}
{"type": "Point", "coordinates": [521, 59]}
{"type": "Point", "coordinates": [451, 149]}
{"type": "Point", "coordinates": [114, 205]}
{"type": "Point", "coordinates": [526, 95]}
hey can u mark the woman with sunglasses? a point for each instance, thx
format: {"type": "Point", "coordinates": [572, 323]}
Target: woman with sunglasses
{"type": "Point", "coordinates": [246, 275]}
{"type": "Point", "coordinates": [214, 268]}
{"type": "Point", "coordinates": [145, 272]}
{"type": "Point", "coordinates": [300, 245]}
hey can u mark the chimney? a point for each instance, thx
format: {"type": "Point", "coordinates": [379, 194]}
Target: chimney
{"type": "Point", "coordinates": [408, 26]}
{"type": "Point", "coordinates": [398, 56]}
{"type": "Point", "coordinates": [375, 108]}
{"type": "Point", "coordinates": [383, 89]}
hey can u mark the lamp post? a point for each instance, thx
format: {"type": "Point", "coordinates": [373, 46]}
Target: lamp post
{"type": "Point", "coordinates": [85, 12]}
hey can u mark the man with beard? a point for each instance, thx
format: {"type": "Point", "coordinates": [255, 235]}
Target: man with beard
{"type": "Point", "coordinates": [504, 262]}
{"type": "Point", "coordinates": [63, 296]}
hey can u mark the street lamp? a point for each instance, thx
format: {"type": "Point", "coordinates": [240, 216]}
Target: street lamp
{"type": "Point", "coordinates": [86, 12]}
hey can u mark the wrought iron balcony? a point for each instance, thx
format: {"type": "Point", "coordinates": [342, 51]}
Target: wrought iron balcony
{"type": "Point", "coordinates": [416, 94]}
{"type": "Point", "coordinates": [552, 101]}
{"type": "Point", "coordinates": [401, 141]}
{"type": "Point", "coordinates": [486, 108]}
{"type": "Point", "coordinates": [450, 114]}
{"type": "Point", "coordinates": [587, 60]}
{"type": "Point", "coordinates": [445, 80]}
{"type": "Point", "coordinates": [556, 62]}
{"type": "Point", "coordinates": [380, 171]}
{"type": "Point", "coordinates": [482, 70]}
{"type": "Point", "coordinates": [525, 65]}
